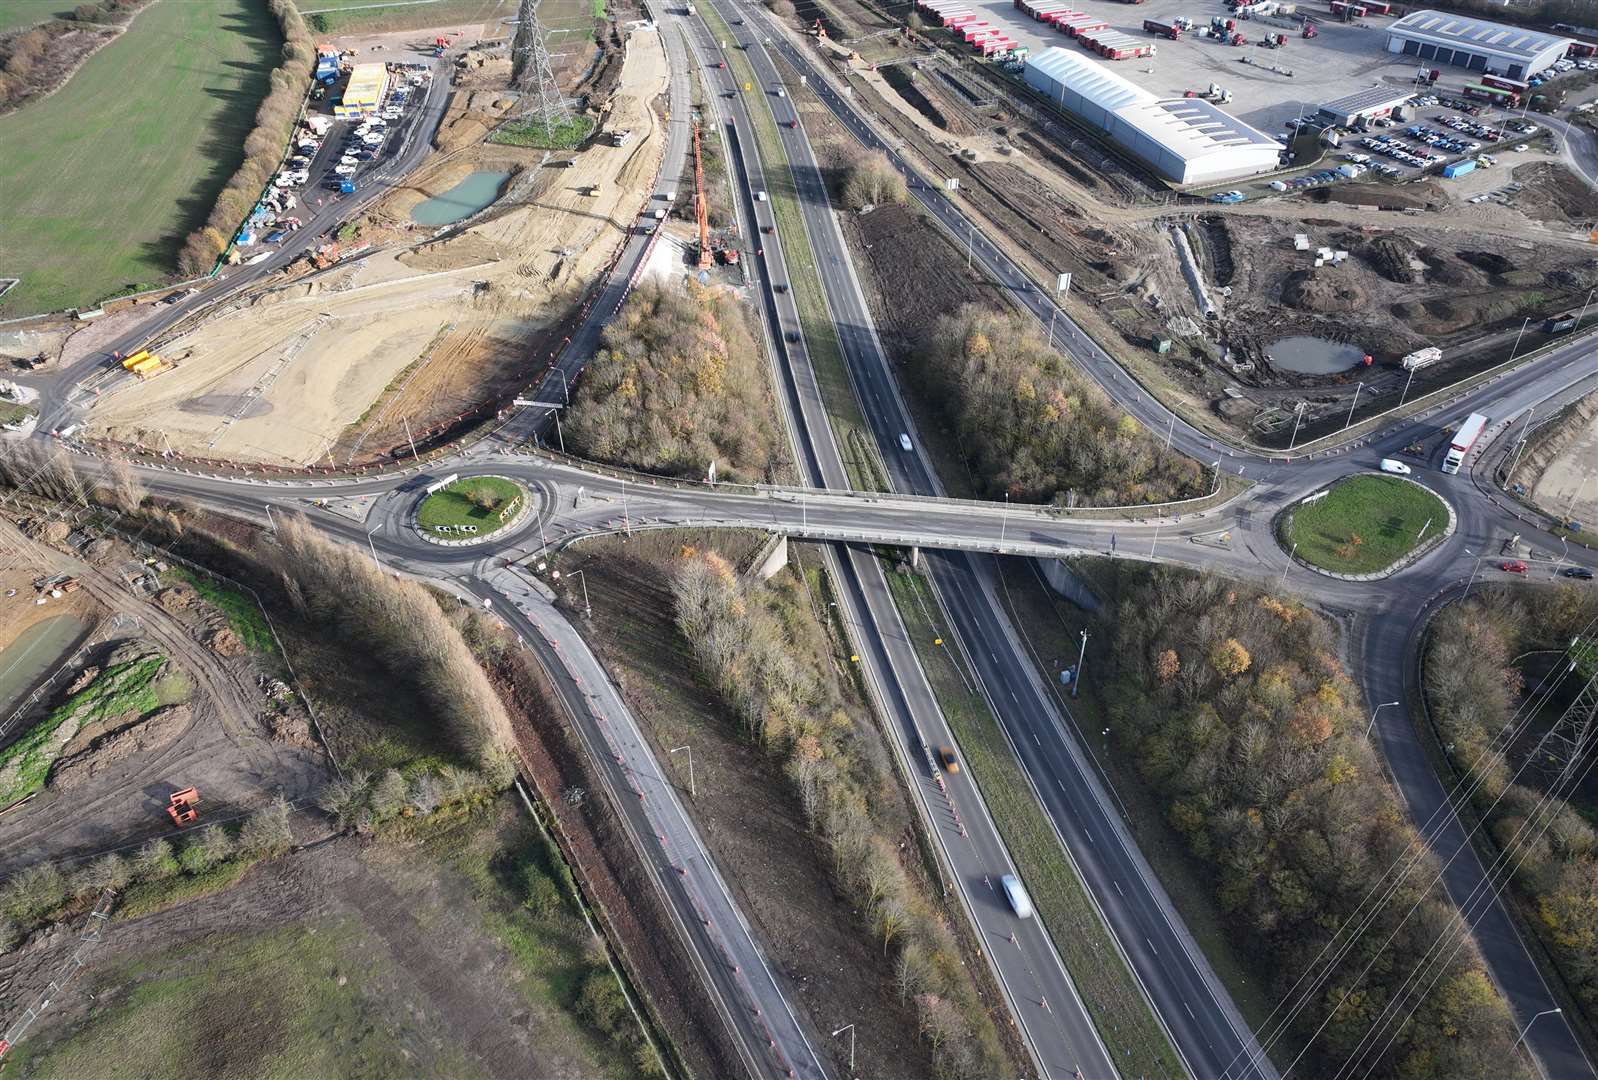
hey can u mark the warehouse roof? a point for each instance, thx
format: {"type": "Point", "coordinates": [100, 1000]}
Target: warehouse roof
{"type": "Point", "coordinates": [1095, 82]}
{"type": "Point", "coordinates": [1188, 127]}
{"type": "Point", "coordinates": [1461, 31]}
{"type": "Point", "coordinates": [1372, 97]}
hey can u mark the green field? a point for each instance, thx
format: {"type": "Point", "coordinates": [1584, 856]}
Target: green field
{"type": "Point", "coordinates": [458, 504]}
{"type": "Point", "coordinates": [1364, 524]}
{"type": "Point", "coordinates": [104, 179]}
{"type": "Point", "coordinates": [18, 13]}
{"type": "Point", "coordinates": [374, 16]}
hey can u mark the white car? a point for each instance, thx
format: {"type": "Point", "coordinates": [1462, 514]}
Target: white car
{"type": "Point", "coordinates": [344, 170]}
{"type": "Point", "coordinates": [1015, 892]}
{"type": "Point", "coordinates": [1522, 148]}
{"type": "Point", "coordinates": [904, 442]}
{"type": "Point", "coordinates": [1398, 468]}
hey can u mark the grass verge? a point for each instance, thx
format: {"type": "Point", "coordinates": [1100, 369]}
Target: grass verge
{"type": "Point", "coordinates": [540, 136]}
{"type": "Point", "coordinates": [378, 16]}
{"type": "Point", "coordinates": [126, 688]}
{"type": "Point", "coordinates": [476, 502]}
{"type": "Point", "coordinates": [1363, 524]}
{"type": "Point", "coordinates": [857, 447]}
{"type": "Point", "coordinates": [1117, 1006]}
{"type": "Point", "coordinates": [148, 130]}
{"type": "Point", "coordinates": [242, 614]}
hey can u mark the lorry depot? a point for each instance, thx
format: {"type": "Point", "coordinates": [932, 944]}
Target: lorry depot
{"type": "Point", "coordinates": [1274, 64]}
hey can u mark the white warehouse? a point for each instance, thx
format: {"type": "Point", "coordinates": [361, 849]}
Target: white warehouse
{"type": "Point", "coordinates": [1476, 44]}
{"type": "Point", "coordinates": [1187, 140]}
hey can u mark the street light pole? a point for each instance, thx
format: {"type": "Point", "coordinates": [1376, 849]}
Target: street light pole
{"type": "Point", "coordinates": [565, 388]}
{"type": "Point", "coordinates": [1520, 446]}
{"type": "Point", "coordinates": [588, 609]}
{"type": "Point", "coordinates": [1081, 657]}
{"type": "Point", "coordinates": [373, 547]}
{"type": "Point", "coordinates": [1473, 571]}
{"type": "Point", "coordinates": [1371, 726]}
{"type": "Point", "coordinates": [1300, 411]}
{"type": "Point", "coordinates": [1170, 429]}
{"type": "Point", "coordinates": [269, 520]}
{"type": "Point", "coordinates": [970, 243]}
{"type": "Point", "coordinates": [1583, 314]}
{"type": "Point", "coordinates": [1407, 381]}
{"type": "Point", "coordinates": [1533, 1020]}
{"type": "Point", "coordinates": [1518, 336]}
{"type": "Point", "coordinates": [1004, 518]}
{"type": "Point", "coordinates": [1291, 556]}
{"type": "Point", "coordinates": [1563, 555]}
{"type": "Point", "coordinates": [850, 1029]}
{"type": "Point", "coordinates": [1349, 422]}
{"type": "Point", "coordinates": [693, 792]}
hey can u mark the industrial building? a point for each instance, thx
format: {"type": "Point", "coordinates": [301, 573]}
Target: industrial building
{"type": "Point", "coordinates": [1367, 104]}
{"type": "Point", "coordinates": [1186, 140]}
{"type": "Point", "coordinates": [1460, 41]}
{"type": "Point", "coordinates": [363, 94]}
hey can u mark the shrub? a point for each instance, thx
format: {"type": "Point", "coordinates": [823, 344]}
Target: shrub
{"type": "Point", "coordinates": [33, 893]}
{"type": "Point", "coordinates": [873, 181]}
{"type": "Point", "coordinates": [1033, 426]}
{"type": "Point", "coordinates": [266, 832]}
{"type": "Point", "coordinates": [204, 849]}
{"type": "Point", "coordinates": [155, 861]}
{"type": "Point", "coordinates": [678, 383]}
{"type": "Point", "coordinates": [110, 871]}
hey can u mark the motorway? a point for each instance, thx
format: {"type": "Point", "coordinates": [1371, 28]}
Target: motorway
{"type": "Point", "coordinates": [1188, 998]}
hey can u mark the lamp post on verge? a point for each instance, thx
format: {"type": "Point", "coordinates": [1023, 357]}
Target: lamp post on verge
{"type": "Point", "coordinates": [693, 792]}
{"type": "Point", "coordinates": [850, 1029]}
{"type": "Point", "coordinates": [1349, 422]}
{"type": "Point", "coordinates": [1519, 447]}
{"type": "Point", "coordinates": [1371, 726]}
{"type": "Point", "coordinates": [1407, 381]}
{"type": "Point", "coordinates": [1473, 572]}
{"type": "Point", "coordinates": [1518, 336]}
{"type": "Point", "coordinates": [269, 520]}
{"type": "Point", "coordinates": [1290, 557]}
{"type": "Point", "coordinates": [588, 609]}
{"type": "Point", "coordinates": [373, 547]}
{"type": "Point", "coordinates": [1583, 314]}
{"type": "Point", "coordinates": [1302, 405]}
{"type": "Point", "coordinates": [1081, 657]}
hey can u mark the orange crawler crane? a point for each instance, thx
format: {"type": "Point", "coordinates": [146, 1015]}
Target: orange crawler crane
{"type": "Point", "coordinates": [706, 259]}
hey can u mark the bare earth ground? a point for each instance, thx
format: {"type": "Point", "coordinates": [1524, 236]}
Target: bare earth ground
{"type": "Point", "coordinates": [347, 958]}
{"type": "Point", "coordinates": [1573, 475]}
{"type": "Point", "coordinates": [19, 611]}
{"type": "Point", "coordinates": [307, 365]}
{"type": "Point", "coordinates": [226, 750]}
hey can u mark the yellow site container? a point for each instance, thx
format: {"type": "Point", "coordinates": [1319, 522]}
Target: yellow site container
{"type": "Point", "coordinates": [149, 365]}
{"type": "Point", "coordinates": [366, 86]}
{"type": "Point", "coordinates": [133, 358]}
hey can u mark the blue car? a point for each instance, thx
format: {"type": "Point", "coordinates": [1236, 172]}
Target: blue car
{"type": "Point", "coordinates": [1228, 197]}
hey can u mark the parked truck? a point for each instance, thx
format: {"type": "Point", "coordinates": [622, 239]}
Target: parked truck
{"type": "Point", "coordinates": [1421, 358]}
{"type": "Point", "coordinates": [1163, 28]}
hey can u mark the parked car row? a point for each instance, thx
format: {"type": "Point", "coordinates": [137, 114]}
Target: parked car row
{"type": "Point", "coordinates": [1473, 129]}
{"type": "Point", "coordinates": [1440, 140]}
{"type": "Point", "coordinates": [1388, 146]}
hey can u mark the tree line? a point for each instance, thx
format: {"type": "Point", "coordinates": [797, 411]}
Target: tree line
{"type": "Point", "coordinates": [1536, 809]}
{"type": "Point", "coordinates": [679, 382]}
{"type": "Point", "coordinates": [777, 687]}
{"type": "Point", "coordinates": [1033, 427]}
{"type": "Point", "coordinates": [263, 147]}
{"type": "Point", "coordinates": [31, 57]}
{"type": "Point", "coordinates": [408, 635]}
{"type": "Point", "coordinates": [1237, 712]}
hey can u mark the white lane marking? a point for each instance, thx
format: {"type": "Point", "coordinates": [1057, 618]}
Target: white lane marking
{"type": "Point", "coordinates": [1152, 949]}
{"type": "Point", "coordinates": [1117, 886]}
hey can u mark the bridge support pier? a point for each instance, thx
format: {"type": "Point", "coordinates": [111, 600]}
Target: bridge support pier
{"type": "Point", "coordinates": [915, 558]}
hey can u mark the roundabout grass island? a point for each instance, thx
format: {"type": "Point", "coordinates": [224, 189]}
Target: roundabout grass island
{"type": "Point", "coordinates": [471, 508]}
{"type": "Point", "coordinates": [1363, 524]}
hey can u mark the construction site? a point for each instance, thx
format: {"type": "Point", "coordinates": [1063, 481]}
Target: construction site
{"type": "Point", "coordinates": [1199, 298]}
{"type": "Point", "coordinates": [350, 361]}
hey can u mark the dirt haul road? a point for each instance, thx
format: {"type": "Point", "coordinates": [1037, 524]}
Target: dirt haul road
{"type": "Point", "coordinates": [420, 333]}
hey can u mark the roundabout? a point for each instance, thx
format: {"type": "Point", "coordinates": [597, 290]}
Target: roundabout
{"type": "Point", "coordinates": [470, 510]}
{"type": "Point", "coordinates": [1365, 526]}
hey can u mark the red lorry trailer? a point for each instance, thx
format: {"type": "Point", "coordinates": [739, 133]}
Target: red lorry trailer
{"type": "Point", "coordinates": [1164, 29]}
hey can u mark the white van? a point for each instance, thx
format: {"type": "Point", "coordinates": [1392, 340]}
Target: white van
{"type": "Point", "coordinates": [1396, 467]}
{"type": "Point", "coordinates": [1015, 892]}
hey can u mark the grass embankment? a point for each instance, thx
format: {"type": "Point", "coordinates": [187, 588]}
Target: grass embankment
{"type": "Point", "coordinates": [858, 448]}
{"type": "Point", "coordinates": [1364, 524]}
{"type": "Point", "coordinates": [381, 16]}
{"type": "Point", "coordinates": [477, 502]}
{"type": "Point", "coordinates": [15, 14]}
{"type": "Point", "coordinates": [130, 687]}
{"type": "Point", "coordinates": [541, 136]}
{"type": "Point", "coordinates": [243, 615]}
{"type": "Point", "coordinates": [148, 131]}
{"type": "Point", "coordinates": [1116, 1004]}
